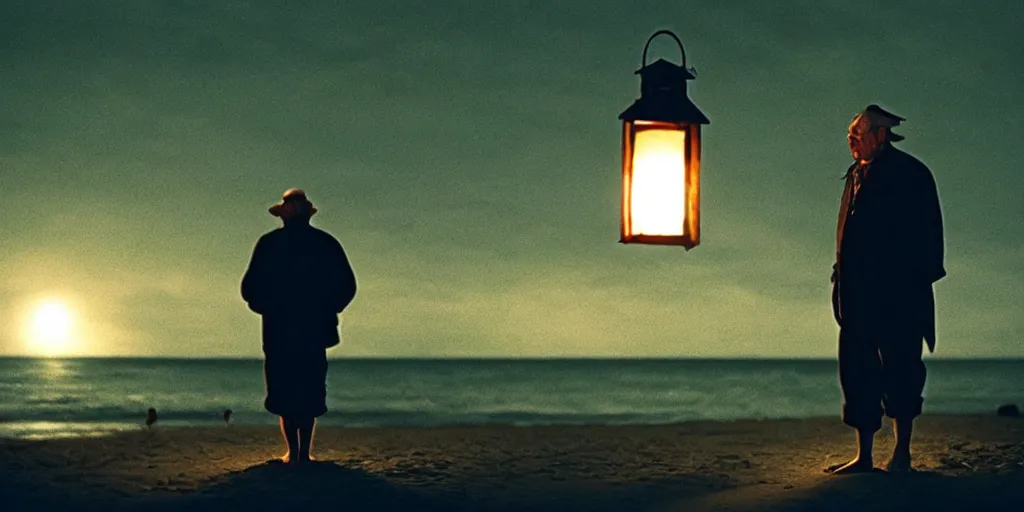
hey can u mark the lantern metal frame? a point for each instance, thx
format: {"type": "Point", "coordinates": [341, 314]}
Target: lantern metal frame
{"type": "Point", "coordinates": [664, 104]}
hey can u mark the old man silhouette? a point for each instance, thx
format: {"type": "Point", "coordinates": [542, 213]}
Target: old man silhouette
{"type": "Point", "coordinates": [299, 279]}
{"type": "Point", "coordinates": [889, 252]}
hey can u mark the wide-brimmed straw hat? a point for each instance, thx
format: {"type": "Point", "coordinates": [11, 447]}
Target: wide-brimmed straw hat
{"type": "Point", "coordinates": [292, 195]}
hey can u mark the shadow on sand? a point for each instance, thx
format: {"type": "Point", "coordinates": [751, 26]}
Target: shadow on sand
{"type": "Point", "coordinates": [319, 485]}
{"type": "Point", "coordinates": [879, 492]}
{"type": "Point", "coordinates": [597, 496]}
{"type": "Point", "coordinates": [274, 486]}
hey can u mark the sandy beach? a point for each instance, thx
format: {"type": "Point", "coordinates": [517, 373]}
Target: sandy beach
{"type": "Point", "coordinates": [962, 463]}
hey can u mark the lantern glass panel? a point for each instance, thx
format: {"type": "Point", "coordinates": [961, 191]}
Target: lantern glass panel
{"type": "Point", "coordinates": [658, 195]}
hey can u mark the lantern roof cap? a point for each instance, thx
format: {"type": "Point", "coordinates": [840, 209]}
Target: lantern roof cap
{"type": "Point", "coordinates": [677, 109]}
{"type": "Point", "coordinates": [664, 67]}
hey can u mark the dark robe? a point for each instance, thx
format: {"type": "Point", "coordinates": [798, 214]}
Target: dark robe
{"type": "Point", "coordinates": [889, 252]}
{"type": "Point", "coordinates": [889, 244]}
{"type": "Point", "coordinates": [299, 279]}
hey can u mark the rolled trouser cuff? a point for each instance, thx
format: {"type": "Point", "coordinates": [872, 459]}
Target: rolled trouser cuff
{"type": "Point", "coordinates": [863, 417]}
{"type": "Point", "coordinates": [904, 409]}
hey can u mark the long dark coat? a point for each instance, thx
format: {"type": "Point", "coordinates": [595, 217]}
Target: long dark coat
{"type": "Point", "coordinates": [889, 244]}
{"type": "Point", "coordinates": [299, 279]}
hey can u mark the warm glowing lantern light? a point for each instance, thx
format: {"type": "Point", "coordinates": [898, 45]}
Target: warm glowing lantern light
{"type": "Point", "coordinates": [661, 157]}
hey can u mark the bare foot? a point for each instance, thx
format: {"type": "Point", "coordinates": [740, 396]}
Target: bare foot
{"type": "Point", "coordinates": [852, 467]}
{"type": "Point", "coordinates": [900, 463]}
{"type": "Point", "coordinates": [286, 458]}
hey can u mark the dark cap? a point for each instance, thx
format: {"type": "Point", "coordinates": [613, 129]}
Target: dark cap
{"type": "Point", "coordinates": [883, 118]}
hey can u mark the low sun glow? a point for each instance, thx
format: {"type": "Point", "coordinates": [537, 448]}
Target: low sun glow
{"type": "Point", "coordinates": [51, 328]}
{"type": "Point", "coordinates": [658, 206]}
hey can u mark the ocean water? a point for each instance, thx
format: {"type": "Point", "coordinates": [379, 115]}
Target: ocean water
{"type": "Point", "coordinates": [45, 398]}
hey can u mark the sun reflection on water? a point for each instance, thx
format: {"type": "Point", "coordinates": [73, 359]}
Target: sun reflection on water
{"type": "Point", "coordinates": [56, 369]}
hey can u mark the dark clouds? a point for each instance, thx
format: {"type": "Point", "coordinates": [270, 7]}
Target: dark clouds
{"type": "Point", "coordinates": [467, 154]}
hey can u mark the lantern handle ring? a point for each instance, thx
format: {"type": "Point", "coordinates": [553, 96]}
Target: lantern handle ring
{"type": "Point", "coordinates": [682, 53]}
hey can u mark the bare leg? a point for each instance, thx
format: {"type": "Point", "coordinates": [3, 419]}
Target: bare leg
{"type": "Point", "coordinates": [290, 432]}
{"type": "Point", "coordinates": [306, 427]}
{"type": "Point", "coordinates": [863, 462]}
{"type": "Point", "coordinates": [900, 462]}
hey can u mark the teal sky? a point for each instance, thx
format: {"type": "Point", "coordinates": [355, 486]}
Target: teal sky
{"type": "Point", "coordinates": [466, 154]}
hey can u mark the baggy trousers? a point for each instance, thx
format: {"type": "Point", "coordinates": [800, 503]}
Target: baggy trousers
{"type": "Point", "coordinates": [880, 371]}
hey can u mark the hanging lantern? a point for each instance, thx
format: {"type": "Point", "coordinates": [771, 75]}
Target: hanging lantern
{"type": "Point", "coordinates": [661, 156]}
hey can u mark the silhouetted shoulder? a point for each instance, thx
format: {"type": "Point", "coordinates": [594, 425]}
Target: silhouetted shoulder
{"type": "Point", "coordinates": [270, 237]}
{"type": "Point", "coordinates": [307, 234]}
{"type": "Point", "coordinates": [325, 241]}
{"type": "Point", "coordinates": [911, 170]}
{"type": "Point", "coordinates": [325, 236]}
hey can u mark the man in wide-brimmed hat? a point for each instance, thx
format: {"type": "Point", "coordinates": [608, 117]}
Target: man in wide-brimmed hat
{"type": "Point", "coordinates": [299, 279]}
{"type": "Point", "coordinates": [889, 252]}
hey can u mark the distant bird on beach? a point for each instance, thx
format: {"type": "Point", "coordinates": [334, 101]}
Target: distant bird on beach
{"type": "Point", "coordinates": [150, 417]}
{"type": "Point", "coordinates": [227, 416]}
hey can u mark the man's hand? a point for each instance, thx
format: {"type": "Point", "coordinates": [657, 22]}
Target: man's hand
{"type": "Point", "coordinates": [836, 312]}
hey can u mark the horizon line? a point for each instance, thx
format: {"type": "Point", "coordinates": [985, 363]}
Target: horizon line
{"type": "Point", "coordinates": [492, 358]}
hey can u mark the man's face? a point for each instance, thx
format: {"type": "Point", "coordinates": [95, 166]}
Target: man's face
{"type": "Point", "coordinates": [864, 142]}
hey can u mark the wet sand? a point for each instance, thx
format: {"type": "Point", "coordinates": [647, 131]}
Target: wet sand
{"type": "Point", "coordinates": [962, 463]}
